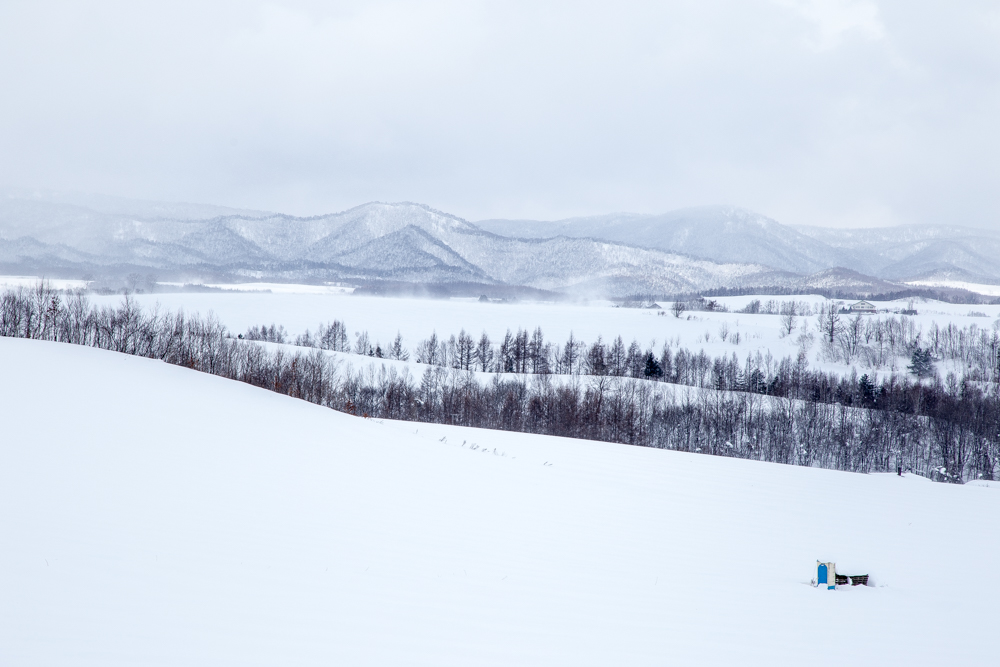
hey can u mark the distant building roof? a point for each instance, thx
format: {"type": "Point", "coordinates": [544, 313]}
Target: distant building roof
{"type": "Point", "coordinates": [864, 306]}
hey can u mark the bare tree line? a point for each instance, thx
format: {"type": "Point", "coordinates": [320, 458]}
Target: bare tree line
{"type": "Point", "coordinates": [876, 342]}
{"type": "Point", "coordinates": [871, 342]}
{"type": "Point", "coordinates": [759, 408]}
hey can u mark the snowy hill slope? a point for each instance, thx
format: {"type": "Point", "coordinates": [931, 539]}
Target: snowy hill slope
{"type": "Point", "coordinates": [153, 515]}
{"type": "Point", "coordinates": [846, 279]}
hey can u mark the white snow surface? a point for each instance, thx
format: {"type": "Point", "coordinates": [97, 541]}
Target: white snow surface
{"type": "Point", "coordinates": [32, 281]}
{"type": "Point", "coordinates": [153, 515]}
{"type": "Point", "coordinates": [985, 290]}
{"type": "Point", "coordinates": [274, 288]}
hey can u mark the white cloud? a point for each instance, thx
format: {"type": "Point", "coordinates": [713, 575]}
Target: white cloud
{"type": "Point", "coordinates": [800, 110]}
{"type": "Point", "coordinates": [834, 20]}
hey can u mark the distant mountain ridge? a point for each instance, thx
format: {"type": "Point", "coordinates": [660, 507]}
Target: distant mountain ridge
{"type": "Point", "coordinates": [683, 251]}
{"type": "Point", "coordinates": [732, 234]}
{"type": "Point", "coordinates": [719, 233]}
{"type": "Point", "coordinates": [402, 242]}
{"type": "Point", "coordinates": [911, 252]}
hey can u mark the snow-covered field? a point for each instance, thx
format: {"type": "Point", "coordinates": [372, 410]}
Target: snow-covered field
{"type": "Point", "coordinates": [978, 288]}
{"type": "Point", "coordinates": [152, 515]}
{"type": "Point", "coordinates": [31, 281]}
{"type": "Point", "coordinates": [275, 288]}
{"type": "Point", "coordinates": [416, 319]}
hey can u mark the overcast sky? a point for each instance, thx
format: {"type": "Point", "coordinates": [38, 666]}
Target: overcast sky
{"type": "Point", "coordinates": [852, 113]}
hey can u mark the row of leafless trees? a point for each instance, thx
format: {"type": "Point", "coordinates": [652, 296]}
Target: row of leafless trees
{"type": "Point", "coordinates": [760, 408]}
{"type": "Point", "coordinates": [976, 349]}
{"type": "Point", "coordinates": [876, 342]}
{"type": "Point", "coordinates": [927, 431]}
{"type": "Point", "coordinates": [871, 342]}
{"type": "Point", "coordinates": [774, 307]}
{"type": "Point", "coordinates": [530, 353]}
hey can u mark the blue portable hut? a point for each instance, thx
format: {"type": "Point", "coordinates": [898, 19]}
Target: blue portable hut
{"type": "Point", "coordinates": [826, 575]}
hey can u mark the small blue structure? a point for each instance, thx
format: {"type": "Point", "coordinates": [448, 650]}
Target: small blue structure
{"type": "Point", "coordinates": [826, 575]}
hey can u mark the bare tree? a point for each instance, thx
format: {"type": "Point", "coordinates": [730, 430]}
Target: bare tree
{"type": "Point", "coordinates": [787, 323]}
{"type": "Point", "coordinates": [484, 353]}
{"type": "Point", "coordinates": [396, 349]}
{"type": "Point", "coordinates": [465, 351]}
{"type": "Point", "coordinates": [538, 353]}
{"type": "Point", "coordinates": [850, 338]}
{"type": "Point", "coordinates": [362, 345]}
{"type": "Point", "coordinates": [571, 355]}
{"type": "Point", "coordinates": [597, 359]}
{"type": "Point", "coordinates": [617, 358]}
{"type": "Point", "coordinates": [829, 321]}
{"type": "Point", "coordinates": [428, 351]}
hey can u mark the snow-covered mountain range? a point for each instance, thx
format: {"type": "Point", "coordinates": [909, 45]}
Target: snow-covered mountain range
{"type": "Point", "coordinates": [731, 234]}
{"type": "Point", "coordinates": [617, 255]}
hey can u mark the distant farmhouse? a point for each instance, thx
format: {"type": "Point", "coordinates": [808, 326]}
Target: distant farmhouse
{"type": "Point", "coordinates": [862, 307]}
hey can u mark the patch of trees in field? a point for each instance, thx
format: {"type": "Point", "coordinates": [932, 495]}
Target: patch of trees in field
{"type": "Point", "coordinates": [976, 351]}
{"type": "Point", "coordinates": [763, 409]}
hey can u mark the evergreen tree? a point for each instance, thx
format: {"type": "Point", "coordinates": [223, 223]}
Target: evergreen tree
{"type": "Point", "coordinates": [653, 368]}
{"type": "Point", "coordinates": [866, 391]}
{"type": "Point", "coordinates": [921, 363]}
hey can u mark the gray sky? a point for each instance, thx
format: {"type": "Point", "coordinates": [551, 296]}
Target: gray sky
{"type": "Point", "coordinates": [852, 113]}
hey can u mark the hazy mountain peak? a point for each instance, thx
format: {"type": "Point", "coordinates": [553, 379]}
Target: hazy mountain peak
{"type": "Point", "coordinates": [385, 218]}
